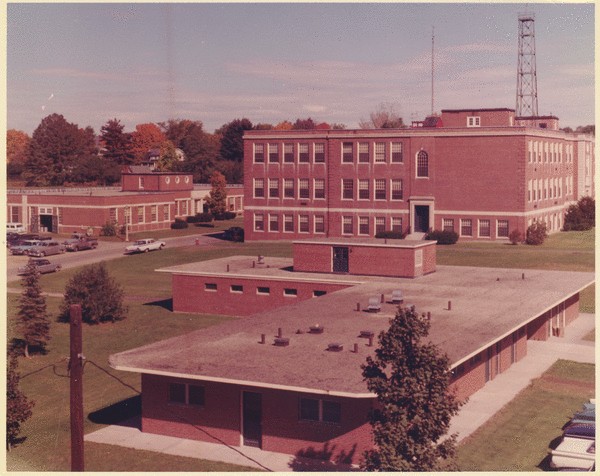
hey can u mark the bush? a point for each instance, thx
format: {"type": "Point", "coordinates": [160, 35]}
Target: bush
{"type": "Point", "coordinates": [443, 237]}
{"type": "Point", "coordinates": [582, 216]}
{"type": "Point", "coordinates": [515, 237]}
{"type": "Point", "coordinates": [179, 224]}
{"type": "Point", "coordinates": [108, 229]}
{"type": "Point", "coordinates": [536, 233]}
{"type": "Point", "coordinates": [203, 218]}
{"type": "Point", "coordinates": [394, 235]}
{"type": "Point", "coordinates": [225, 216]}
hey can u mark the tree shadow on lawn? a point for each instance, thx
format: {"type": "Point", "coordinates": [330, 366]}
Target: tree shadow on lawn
{"type": "Point", "coordinates": [124, 413]}
{"type": "Point", "coordinates": [164, 303]}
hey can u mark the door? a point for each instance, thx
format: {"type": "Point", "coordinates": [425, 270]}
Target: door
{"type": "Point", "coordinates": [488, 364]}
{"type": "Point", "coordinates": [421, 218]}
{"type": "Point", "coordinates": [340, 259]}
{"type": "Point", "coordinates": [252, 419]}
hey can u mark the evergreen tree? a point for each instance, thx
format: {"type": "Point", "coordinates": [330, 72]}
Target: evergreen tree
{"type": "Point", "coordinates": [232, 144]}
{"type": "Point", "coordinates": [414, 405]}
{"type": "Point", "coordinates": [34, 322]}
{"type": "Point", "coordinates": [117, 145]}
{"type": "Point", "coordinates": [18, 406]}
{"type": "Point", "coordinates": [100, 296]}
{"type": "Point", "coordinates": [217, 200]}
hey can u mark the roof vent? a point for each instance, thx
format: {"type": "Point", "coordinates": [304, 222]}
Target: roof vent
{"type": "Point", "coordinates": [281, 341]}
{"type": "Point", "coordinates": [317, 329]}
{"type": "Point", "coordinates": [366, 334]}
{"type": "Point", "coordinates": [335, 347]}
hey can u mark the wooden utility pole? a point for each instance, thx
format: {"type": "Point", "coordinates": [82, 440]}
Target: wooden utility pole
{"type": "Point", "coordinates": [76, 368]}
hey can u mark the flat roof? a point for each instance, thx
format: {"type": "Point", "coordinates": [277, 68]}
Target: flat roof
{"type": "Point", "coordinates": [373, 242]}
{"type": "Point", "coordinates": [487, 305]}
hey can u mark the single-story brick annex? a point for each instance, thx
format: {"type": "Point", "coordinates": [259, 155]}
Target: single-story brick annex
{"type": "Point", "coordinates": [286, 376]}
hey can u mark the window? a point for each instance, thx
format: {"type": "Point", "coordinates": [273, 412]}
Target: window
{"type": "Point", "coordinates": [274, 188]}
{"type": "Point", "coordinates": [141, 182]}
{"type": "Point", "coordinates": [303, 153]}
{"type": "Point", "coordinates": [273, 152]}
{"type": "Point", "coordinates": [422, 164]}
{"type": "Point", "coordinates": [397, 224]}
{"type": "Point", "coordinates": [319, 224]}
{"type": "Point", "coordinates": [347, 225]}
{"type": "Point", "coordinates": [473, 121]}
{"type": "Point", "coordinates": [288, 223]}
{"type": "Point", "coordinates": [363, 225]}
{"type": "Point", "coordinates": [379, 152]}
{"type": "Point", "coordinates": [288, 188]}
{"type": "Point", "coordinates": [210, 286]}
{"type": "Point", "coordinates": [259, 188]}
{"type": "Point", "coordinates": [140, 214]}
{"type": "Point", "coordinates": [319, 151]}
{"type": "Point", "coordinates": [484, 228]}
{"type": "Point", "coordinates": [127, 214]}
{"type": "Point", "coordinates": [363, 152]}
{"type": "Point", "coordinates": [154, 213]}
{"type": "Point", "coordinates": [502, 229]}
{"type": "Point", "coordinates": [397, 152]}
{"type": "Point", "coordinates": [347, 189]}
{"type": "Point", "coordinates": [396, 189]}
{"type": "Point", "coordinates": [466, 227]}
{"type": "Point", "coordinates": [290, 292]}
{"type": "Point", "coordinates": [363, 189]}
{"type": "Point", "coordinates": [263, 290]}
{"type": "Point", "coordinates": [303, 223]}
{"type": "Point", "coordinates": [319, 185]}
{"type": "Point", "coordinates": [259, 153]}
{"type": "Point", "coordinates": [318, 293]}
{"type": "Point", "coordinates": [379, 224]}
{"type": "Point", "coordinates": [236, 288]}
{"type": "Point", "coordinates": [347, 152]}
{"type": "Point", "coordinates": [259, 222]}
{"type": "Point", "coordinates": [320, 410]}
{"type": "Point", "coordinates": [288, 153]}
{"type": "Point", "coordinates": [380, 189]}
{"type": "Point", "coordinates": [303, 190]}
{"type": "Point", "coordinates": [273, 222]}
{"type": "Point", "coordinates": [112, 214]}
{"type": "Point", "coordinates": [186, 394]}
{"type": "Point", "coordinates": [448, 224]}
{"type": "Point", "coordinates": [166, 213]}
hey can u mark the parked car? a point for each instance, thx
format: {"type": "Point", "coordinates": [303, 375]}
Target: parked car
{"type": "Point", "coordinates": [46, 248]}
{"type": "Point", "coordinates": [235, 233]}
{"type": "Point", "coordinates": [43, 266]}
{"type": "Point", "coordinates": [577, 449]}
{"type": "Point", "coordinates": [15, 228]}
{"type": "Point", "coordinates": [145, 245]}
{"type": "Point", "coordinates": [79, 241]}
{"type": "Point", "coordinates": [21, 247]}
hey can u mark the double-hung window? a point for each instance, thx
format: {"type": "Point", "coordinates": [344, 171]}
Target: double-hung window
{"type": "Point", "coordinates": [363, 152]}
{"type": "Point", "coordinates": [396, 189]}
{"type": "Point", "coordinates": [347, 225]}
{"type": "Point", "coordinates": [319, 188]}
{"type": "Point", "coordinates": [422, 164]}
{"type": "Point", "coordinates": [288, 188]}
{"type": "Point", "coordinates": [484, 228]}
{"type": "Point", "coordinates": [466, 227]}
{"type": "Point", "coordinates": [363, 225]}
{"type": "Point", "coordinates": [259, 188]}
{"type": "Point", "coordinates": [347, 189]}
{"type": "Point", "coordinates": [319, 152]}
{"type": "Point", "coordinates": [288, 153]}
{"type": "Point", "coordinates": [186, 394]}
{"type": "Point", "coordinates": [303, 188]}
{"type": "Point", "coordinates": [259, 153]}
{"type": "Point", "coordinates": [379, 152]}
{"type": "Point", "coordinates": [273, 188]}
{"type": "Point", "coordinates": [347, 152]}
{"type": "Point", "coordinates": [303, 153]}
{"type": "Point", "coordinates": [303, 223]}
{"type": "Point", "coordinates": [380, 189]}
{"type": "Point", "coordinates": [396, 152]}
{"type": "Point", "coordinates": [363, 189]}
{"type": "Point", "coordinates": [273, 152]}
{"type": "Point", "coordinates": [273, 222]}
{"type": "Point", "coordinates": [312, 409]}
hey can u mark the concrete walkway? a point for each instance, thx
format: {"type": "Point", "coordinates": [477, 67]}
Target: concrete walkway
{"type": "Point", "coordinates": [480, 407]}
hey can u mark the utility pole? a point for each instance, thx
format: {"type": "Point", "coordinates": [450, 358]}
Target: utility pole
{"type": "Point", "coordinates": [76, 400]}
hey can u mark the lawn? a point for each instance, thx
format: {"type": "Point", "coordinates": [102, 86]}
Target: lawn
{"type": "Point", "coordinates": [519, 436]}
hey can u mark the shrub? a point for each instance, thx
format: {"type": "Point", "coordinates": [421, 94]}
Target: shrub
{"type": "Point", "coordinates": [179, 224]}
{"type": "Point", "coordinates": [443, 237]}
{"type": "Point", "coordinates": [394, 235]}
{"type": "Point", "coordinates": [515, 237]}
{"type": "Point", "coordinates": [203, 218]}
{"type": "Point", "coordinates": [225, 216]}
{"type": "Point", "coordinates": [536, 233]}
{"type": "Point", "coordinates": [581, 216]}
{"type": "Point", "coordinates": [108, 229]}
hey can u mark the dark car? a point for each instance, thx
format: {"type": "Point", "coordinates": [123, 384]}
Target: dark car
{"type": "Point", "coordinates": [235, 233]}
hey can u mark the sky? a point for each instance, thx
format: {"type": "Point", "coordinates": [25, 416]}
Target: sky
{"type": "Point", "coordinates": [269, 62]}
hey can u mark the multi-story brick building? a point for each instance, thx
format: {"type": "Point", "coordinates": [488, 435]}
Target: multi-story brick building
{"type": "Point", "coordinates": [481, 173]}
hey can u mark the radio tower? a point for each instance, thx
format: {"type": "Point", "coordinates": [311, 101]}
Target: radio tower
{"type": "Point", "coordinates": [527, 99]}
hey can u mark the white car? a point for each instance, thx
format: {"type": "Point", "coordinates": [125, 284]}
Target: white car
{"type": "Point", "coordinates": [145, 245]}
{"type": "Point", "coordinates": [577, 450]}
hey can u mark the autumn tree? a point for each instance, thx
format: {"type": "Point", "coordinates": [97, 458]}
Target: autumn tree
{"type": "Point", "coordinates": [384, 117]}
{"type": "Point", "coordinates": [304, 124]}
{"type": "Point", "coordinates": [284, 126]}
{"type": "Point", "coordinates": [410, 378]}
{"type": "Point", "coordinates": [117, 147]}
{"type": "Point", "coordinates": [34, 323]}
{"type": "Point", "coordinates": [99, 294]}
{"type": "Point", "coordinates": [217, 199]}
{"type": "Point", "coordinates": [145, 137]}
{"type": "Point", "coordinates": [17, 143]}
{"type": "Point", "coordinates": [18, 406]}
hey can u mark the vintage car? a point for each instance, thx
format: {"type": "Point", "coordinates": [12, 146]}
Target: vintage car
{"type": "Point", "coordinates": [42, 265]}
{"type": "Point", "coordinates": [23, 246]}
{"type": "Point", "coordinates": [79, 242]}
{"type": "Point", "coordinates": [145, 245]}
{"type": "Point", "coordinates": [577, 449]}
{"type": "Point", "coordinates": [46, 248]}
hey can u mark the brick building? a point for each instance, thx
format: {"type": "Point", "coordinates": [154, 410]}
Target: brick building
{"type": "Point", "coordinates": [145, 200]}
{"type": "Point", "coordinates": [481, 173]}
{"type": "Point", "coordinates": [286, 376]}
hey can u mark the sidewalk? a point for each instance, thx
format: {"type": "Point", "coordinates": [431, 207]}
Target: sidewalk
{"type": "Point", "coordinates": [480, 407]}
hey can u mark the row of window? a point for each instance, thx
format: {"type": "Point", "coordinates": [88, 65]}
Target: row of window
{"type": "Point", "coordinates": [542, 189]}
{"type": "Point", "coordinates": [309, 409]}
{"type": "Point", "coordinates": [361, 152]}
{"type": "Point", "coordinates": [139, 213]}
{"type": "Point", "coordinates": [549, 152]}
{"type": "Point", "coordinates": [383, 189]}
{"type": "Point", "coordinates": [261, 290]}
{"type": "Point", "coordinates": [484, 229]}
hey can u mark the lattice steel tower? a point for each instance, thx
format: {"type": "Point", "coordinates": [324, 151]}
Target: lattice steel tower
{"type": "Point", "coordinates": [527, 99]}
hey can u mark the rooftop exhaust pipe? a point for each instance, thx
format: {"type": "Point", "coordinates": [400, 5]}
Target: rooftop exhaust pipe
{"type": "Point", "coordinates": [335, 347]}
{"type": "Point", "coordinates": [317, 329]}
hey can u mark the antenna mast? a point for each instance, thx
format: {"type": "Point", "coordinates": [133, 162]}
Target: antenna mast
{"type": "Point", "coordinates": [432, 66]}
{"type": "Point", "coordinates": [527, 98]}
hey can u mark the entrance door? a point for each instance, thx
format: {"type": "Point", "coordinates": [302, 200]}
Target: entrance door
{"type": "Point", "coordinates": [421, 218]}
{"type": "Point", "coordinates": [340, 259]}
{"type": "Point", "coordinates": [252, 419]}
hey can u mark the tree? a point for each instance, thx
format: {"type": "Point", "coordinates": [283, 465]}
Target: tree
{"type": "Point", "coordinates": [145, 137]}
{"type": "Point", "coordinates": [284, 126]}
{"type": "Point", "coordinates": [100, 296]}
{"type": "Point", "coordinates": [581, 216]}
{"type": "Point", "coordinates": [168, 157]}
{"type": "Point", "coordinates": [589, 129]}
{"type": "Point", "coordinates": [536, 234]}
{"type": "Point", "coordinates": [34, 323]}
{"type": "Point", "coordinates": [18, 406]}
{"type": "Point", "coordinates": [116, 144]}
{"type": "Point", "coordinates": [217, 199]}
{"type": "Point", "coordinates": [414, 404]}
{"type": "Point", "coordinates": [384, 117]}
{"type": "Point", "coordinates": [232, 144]}
{"type": "Point", "coordinates": [304, 124]}
{"type": "Point", "coordinates": [17, 143]}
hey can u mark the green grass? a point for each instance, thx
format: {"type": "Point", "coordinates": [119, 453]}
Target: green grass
{"type": "Point", "coordinates": [519, 436]}
{"type": "Point", "coordinates": [192, 229]}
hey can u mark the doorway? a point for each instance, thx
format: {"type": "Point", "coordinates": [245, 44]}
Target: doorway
{"type": "Point", "coordinates": [421, 218]}
{"type": "Point", "coordinates": [252, 419]}
{"type": "Point", "coordinates": [340, 259]}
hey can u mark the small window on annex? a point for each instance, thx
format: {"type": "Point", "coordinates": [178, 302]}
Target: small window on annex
{"type": "Point", "coordinates": [502, 231]}
{"type": "Point", "coordinates": [448, 224]}
{"type": "Point", "coordinates": [466, 227]}
{"type": "Point", "coordinates": [422, 164]}
{"type": "Point", "coordinates": [484, 228]}
{"type": "Point", "coordinates": [473, 121]}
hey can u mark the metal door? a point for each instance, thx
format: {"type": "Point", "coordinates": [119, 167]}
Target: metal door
{"type": "Point", "coordinates": [252, 419]}
{"type": "Point", "coordinates": [340, 259]}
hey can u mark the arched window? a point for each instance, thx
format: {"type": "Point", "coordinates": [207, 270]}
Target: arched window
{"type": "Point", "coordinates": [422, 164]}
